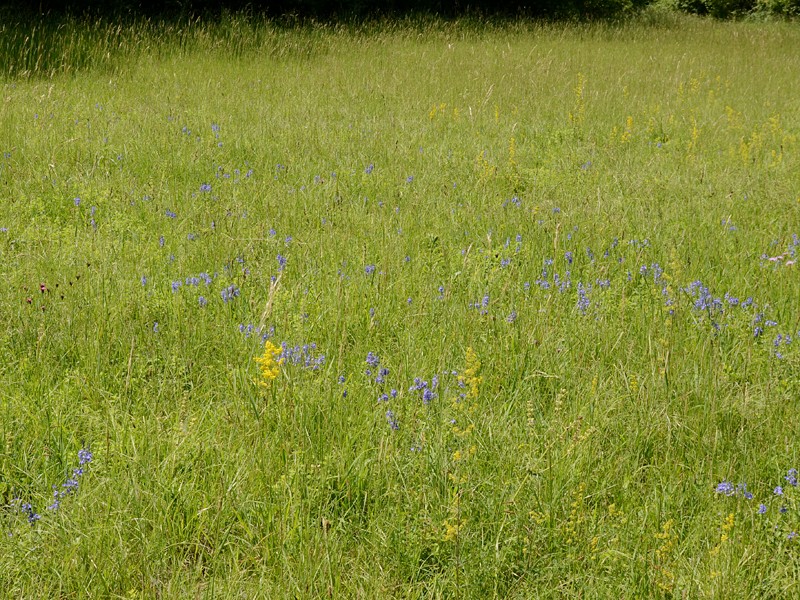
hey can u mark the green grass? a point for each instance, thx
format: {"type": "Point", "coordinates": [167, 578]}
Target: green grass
{"type": "Point", "coordinates": [587, 462]}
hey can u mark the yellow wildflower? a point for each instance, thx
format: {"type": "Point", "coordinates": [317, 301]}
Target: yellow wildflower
{"type": "Point", "coordinates": [269, 363]}
{"type": "Point", "coordinates": [470, 377]}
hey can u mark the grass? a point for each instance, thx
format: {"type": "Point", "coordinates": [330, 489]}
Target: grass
{"type": "Point", "coordinates": [581, 235]}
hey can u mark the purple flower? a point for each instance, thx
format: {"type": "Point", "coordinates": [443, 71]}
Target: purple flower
{"type": "Point", "coordinates": [206, 187]}
{"type": "Point", "coordinates": [762, 509]}
{"type": "Point", "coordinates": [583, 299]}
{"type": "Point", "coordinates": [742, 488]}
{"type": "Point", "coordinates": [392, 420]}
{"type": "Point", "coordinates": [791, 477]}
{"type": "Point", "coordinates": [85, 456]}
{"type": "Point", "coordinates": [202, 301]}
{"type": "Point", "coordinates": [419, 384]}
{"type": "Point", "coordinates": [281, 262]}
{"type": "Point", "coordinates": [28, 510]}
{"type": "Point", "coordinates": [778, 491]}
{"type": "Point", "coordinates": [229, 293]}
{"type": "Point", "coordinates": [170, 214]}
{"type": "Point", "coordinates": [726, 487]}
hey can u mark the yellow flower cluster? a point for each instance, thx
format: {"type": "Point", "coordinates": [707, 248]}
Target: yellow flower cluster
{"type": "Point", "coordinates": [470, 378]}
{"type": "Point", "coordinates": [269, 363]}
{"type": "Point", "coordinates": [451, 530]}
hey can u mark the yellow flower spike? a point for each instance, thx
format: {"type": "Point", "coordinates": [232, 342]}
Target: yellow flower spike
{"type": "Point", "coordinates": [470, 378]}
{"type": "Point", "coordinates": [269, 363]}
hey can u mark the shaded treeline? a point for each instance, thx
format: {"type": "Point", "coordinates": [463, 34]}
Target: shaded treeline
{"type": "Point", "coordinates": [330, 9]}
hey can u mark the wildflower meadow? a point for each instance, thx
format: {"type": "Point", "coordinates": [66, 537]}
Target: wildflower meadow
{"type": "Point", "coordinates": [420, 309]}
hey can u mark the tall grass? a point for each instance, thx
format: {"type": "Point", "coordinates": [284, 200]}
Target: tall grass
{"type": "Point", "coordinates": [571, 247]}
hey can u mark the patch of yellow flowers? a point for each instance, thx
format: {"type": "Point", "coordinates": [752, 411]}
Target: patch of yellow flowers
{"type": "Point", "coordinates": [269, 363]}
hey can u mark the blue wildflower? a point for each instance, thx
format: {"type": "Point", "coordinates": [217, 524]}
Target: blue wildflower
{"type": "Point", "coordinates": [726, 487]}
{"type": "Point", "coordinates": [791, 477]}
{"type": "Point", "coordinates": [229, 293]}
{"type": "Point", "coordinates": [583, 298]}
{"type": "Point", "coordinates": [32, 515]}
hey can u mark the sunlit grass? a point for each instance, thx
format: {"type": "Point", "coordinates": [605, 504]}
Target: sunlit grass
{"type": "Point", "coordinates": [534, 286]}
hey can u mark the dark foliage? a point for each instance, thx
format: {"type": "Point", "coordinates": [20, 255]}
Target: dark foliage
{"type": "Point", "coordinates": [332, 9]}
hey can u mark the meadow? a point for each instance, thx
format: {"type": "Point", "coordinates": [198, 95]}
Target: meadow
{"type": "Point", "coordinates": [415, 310]}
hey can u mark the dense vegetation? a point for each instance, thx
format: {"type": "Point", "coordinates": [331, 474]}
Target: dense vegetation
{"type": "Point", "coordinates": [361, 9]}
{"type": "Point", "coordinates": [414, 309]}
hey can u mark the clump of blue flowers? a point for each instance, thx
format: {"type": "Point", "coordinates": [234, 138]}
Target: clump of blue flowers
{"type": "Point", "coordinates": [69, 487]}
{"type": "Point", "coordinates": [304, 356]}
{"type": "Point", "coordinates": [427, 392]}
{"type": "Point", "coordinates": [782, 497]}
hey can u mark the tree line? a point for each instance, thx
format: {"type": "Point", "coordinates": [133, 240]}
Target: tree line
{"type": "Point", "coordinates": [370, 9]}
